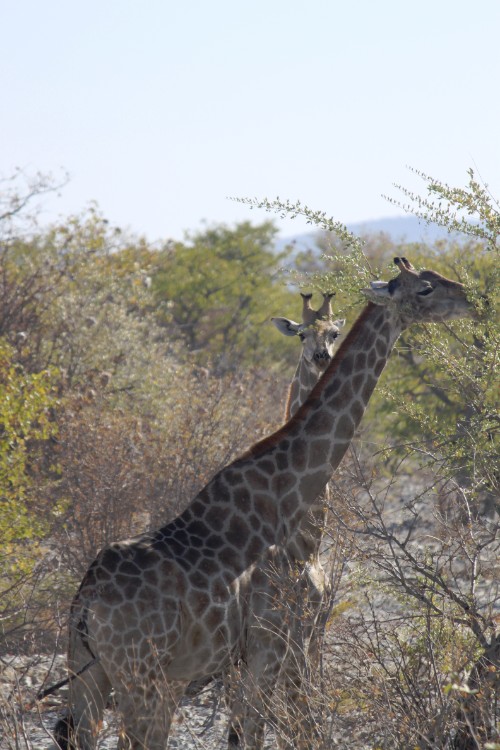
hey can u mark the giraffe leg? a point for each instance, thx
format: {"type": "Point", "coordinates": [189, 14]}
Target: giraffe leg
{"type": "Point", "coordinates": [251, 691]}
{"type": "Point", "coordinates": [147, 712]}
{"type": "Point", "coordinates": [87, 699]}
{"type": "Point", "coordinates": [297, 727]}
{"type": "Point", "coordinates": [249, 708]}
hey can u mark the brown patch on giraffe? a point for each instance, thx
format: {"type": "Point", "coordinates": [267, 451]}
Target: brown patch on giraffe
{"type": "Point", "coordinates": [128, 611]}
{"type": "Point", "coordinates": [379, 367]}
{"type": "Point", "coordinates": [381, 347]}
{"type": "Point", "coordinates": [360, 361]}
{"type": "Point", "coordinates": [345, 394]}
{"type": "Point", "coordinates": [338, 451]}
{"type": "Point", "coordinates": [357, 382]}
{"type": "Point", "coordinates": [231, 559]}
{"type": "Point", "coordinates": [385, 331]}
{"type": "Point", "coordinates": [318, 423]}
{"type": "Point", "coordinates": [198, 579]}
{"type": "Point", "coordinates": [290, 503]}
{"type": "Point", "coordinates": [368, 388]}
{"type": "Point", "coordinates": [313, 483]}
{"type": "Point", "coordinates": [345, 428]}
{"type": "Point", "coordinates": [129, 568]}
{"type": "Point", "coordinates": [109, 559]}
{"type": "Point", "coordinates": [199, 603]}
{"type": "Point", "coordinates": [332, 388]}
{"type": "Point", "coordinates": [197, 508]}
{"type": "Point", "coordinates": [209, 567]}
{"type": "Point", "coordinates": [255, 546]}
{"type": "Point", "coordinates": [218, 491]}
{"type": "Point", "coordinates": [255, 521]}
{"type": "Point", "coordinates": [268, 533]}
{"type": "Point", "coordinates": [346, 366]}
{"type": "Point", "coordinates": [232, 477]}
{"type": "Point", "coordinates": [265, 508]}
{"type": "Point", "coordinates": [146, 557]}
{"type": "Point", "coordinates": [357, 411]}
{"type": "Point", "coordinates": [192, 556]}
{"type": "Point", "coordinates": [238, 531]}
{"type": "Point", "coordinates": [214, 618]}
{"type": "Point", "coordinates": [318, 451]}
{"type": "Point", "coordinates": [216, 516]}
{"type": "Point", "coordinates": [219, 591]}
{"type": "Point", "coordinates": [267, 466]}
{"type": "Point", "coordinates": [196, 636]}
{"type": "Point", "coordinates": [242, 499]}
{"type": "Point", "coordinates": [149, 595]}
{"type": "Point", "coordinates": [198, 528]}
{"type": "Point", "coordinates": [133, 589]}
{"type": "Point", "coordinates": [281, 459]}
{"type": "Point", "coordinates": [214, 541]}
{"type": "Point", "coordinates": [299, 454]}
{"type": "Point", "coordinates": [371, 358]}
{"type": "Point", "coordinates": [282, 482]}
{"type": "Point", "coordinates": [256, 479]}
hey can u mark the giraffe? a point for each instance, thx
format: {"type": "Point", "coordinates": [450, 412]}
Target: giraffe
{"type": "Point", "coordinates": [170, 606]}
{"type": "Point", "coordinates": [307, 589]}
{"type": "Point", "coordinates": [318, 334]}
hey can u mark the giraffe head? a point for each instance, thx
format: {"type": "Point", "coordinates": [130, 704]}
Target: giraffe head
{"type": "Point", "coordinates": [423, 296]}
{"type": "Point", "coordinates": [318, 332]}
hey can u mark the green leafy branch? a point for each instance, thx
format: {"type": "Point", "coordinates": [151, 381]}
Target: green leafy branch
{"type": "Point", "coordinates": [471, 210]}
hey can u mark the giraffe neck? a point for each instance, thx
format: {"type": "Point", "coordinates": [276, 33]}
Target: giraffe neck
{"type": "Point", "coordinates": [304, 380]}
{"type": "Point", "coordinates": [301, 457]}
{"type": "Point", "coordinates": [305, 541]}
{"type": "Point", "coordinates": [259, 500]}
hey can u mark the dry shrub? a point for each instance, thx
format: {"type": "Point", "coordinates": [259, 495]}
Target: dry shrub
{"type": "Point", "coordinates": [411, 657]}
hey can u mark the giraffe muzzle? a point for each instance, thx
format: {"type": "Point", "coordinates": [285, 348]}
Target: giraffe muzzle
{"type": "Point", "coordinates": [322, 356]}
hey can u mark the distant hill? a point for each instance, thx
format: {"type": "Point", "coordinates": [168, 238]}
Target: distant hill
{"type": "Point", "coordinates": [401, 229]}
{"type": "Point", "coordinates": [398, 228]}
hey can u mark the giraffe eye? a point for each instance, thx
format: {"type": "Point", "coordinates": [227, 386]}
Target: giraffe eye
{"type": "Point", "coordinates": [302, 337]}
{"type": "Point", "coordinates": [425, 292]}
{"type": "Point", "coordinates": [392, 286]}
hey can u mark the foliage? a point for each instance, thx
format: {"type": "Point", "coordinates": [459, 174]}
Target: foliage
{"type": "Point", "coordinates": [219, 289]}
{"type": "Point", "coordinates": [318, 219]}
{"type": "Point", "coordinates": [471, 210]}
{"type": "Point", "coordinates": [26, 401]}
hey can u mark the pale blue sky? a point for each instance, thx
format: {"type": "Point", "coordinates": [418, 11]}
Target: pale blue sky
{"type": "Point", "coordinates": [160, 110]}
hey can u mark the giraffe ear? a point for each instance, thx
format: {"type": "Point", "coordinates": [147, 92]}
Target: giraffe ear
{"type": "Point", "coordinates": [287, 327]}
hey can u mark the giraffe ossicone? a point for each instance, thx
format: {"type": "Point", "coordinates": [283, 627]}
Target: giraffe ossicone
{"type": "Point", "coordinates": [170, 606]}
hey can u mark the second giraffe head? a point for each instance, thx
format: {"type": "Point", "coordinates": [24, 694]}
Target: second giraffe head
{"type": "Point", "coordinates": [318, 331]}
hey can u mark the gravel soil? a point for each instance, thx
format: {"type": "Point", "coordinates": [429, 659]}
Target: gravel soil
{"type": "Point", "coordinates": [200, 723]}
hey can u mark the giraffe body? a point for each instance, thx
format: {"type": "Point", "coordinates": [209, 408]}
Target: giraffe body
{"type": "Point", "coordinates": [171, 606]}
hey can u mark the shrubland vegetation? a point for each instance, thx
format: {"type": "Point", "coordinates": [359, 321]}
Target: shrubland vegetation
{"type": "Point", "coordinates": [130, 373]}
{"type": "Point", "coordinates": [412, 653]}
